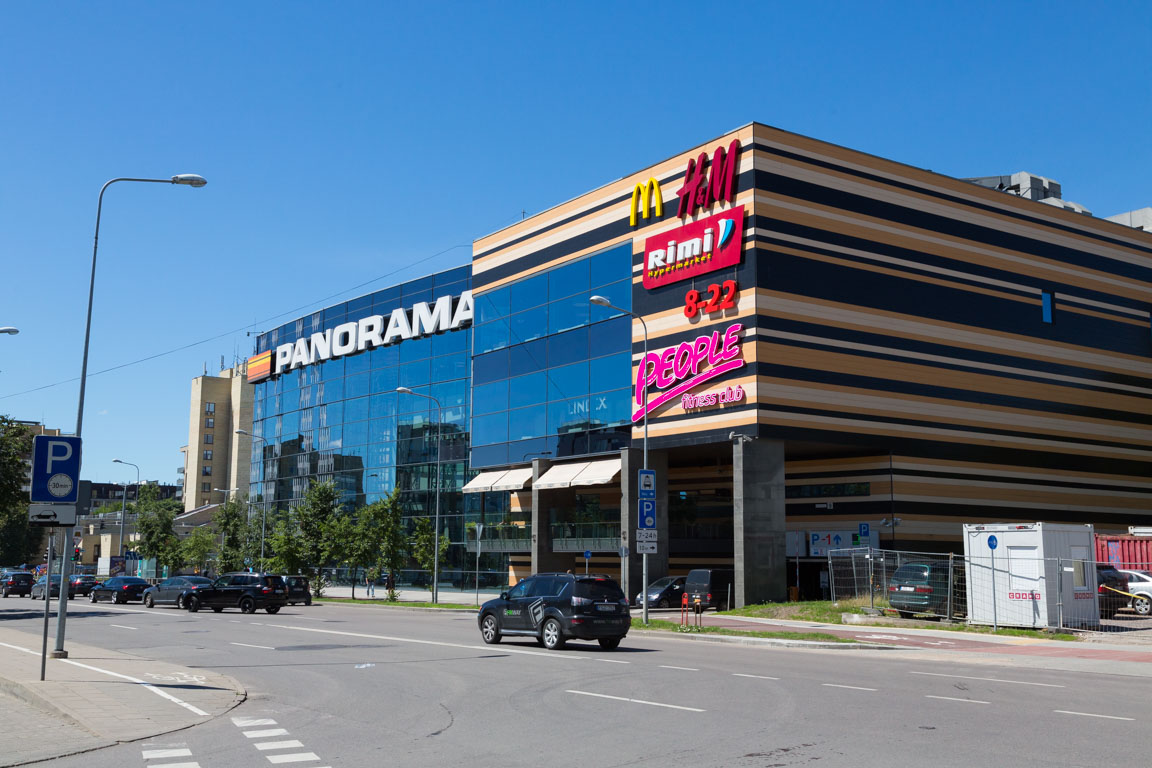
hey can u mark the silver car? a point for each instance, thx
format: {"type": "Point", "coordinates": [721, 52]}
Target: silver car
{"type": "Point", "coordinates": [1139, 584]}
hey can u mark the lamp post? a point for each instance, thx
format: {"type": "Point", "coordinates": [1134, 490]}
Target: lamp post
{"type": "Point", "coordinates": [124, 499]}
{"type": "Point", "coordinates": [186, 179]}
{"type": "Point", "coordinates": [263, 504]}
{"type": "Point", "coordinates": [9, 330]}
{"type": "Point", "coordinates": [436, 536]}
{"type": "Point", "coordinates": [603, 302]}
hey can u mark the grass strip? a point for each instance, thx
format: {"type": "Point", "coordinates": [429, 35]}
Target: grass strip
{"type": "Point", "coordinates": [671, 626]}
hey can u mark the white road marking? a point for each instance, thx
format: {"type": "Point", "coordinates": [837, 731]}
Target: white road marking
{"type": "Point", "coordinates": [149, 686]}
{"type": "Point", "coordinates": [266, 733]}
{"type": "Point", "coordinates": [614, 661]}
{"type": "Point", "coordinates": [296, 757]}
{"type": "Point", "coordinates": [18, 648]}
{"type": "Point", "coordinates": [685, 669]}
{"type": "Point", "coordinates": [257, 623]}
{"type": "Point", "coordinates": [249, 645]}
{"type": "Point", "coordinates": [174, 765]}
{"type": "Point", "coordinates": [1089, 714]}
{"type": "Point", "coordinates": [988, 679]}
{"type": "Point", "coordinates": [758, 677]}
{"type": "Point", "coordinates": [636, 701]}
{"type": "Point", "coordinates": [953, 698]}
{"type": "Point", "coordinates": [246, 722]}
{"type": "Point", "coordinates": [121, 626]}
{"type": "Point", "coordinates": [849, 687]}
{"type": "Point", "coordinates": [266, 745]}
{"type": "Point", "coordinates": [235, 621]}
{"type": "Point", "coordinates": [151, 754]}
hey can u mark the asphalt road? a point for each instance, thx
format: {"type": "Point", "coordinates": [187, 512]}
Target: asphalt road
{"type": "Point", "coordinates": [360, 686]}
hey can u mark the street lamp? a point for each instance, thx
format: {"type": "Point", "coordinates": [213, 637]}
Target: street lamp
{"type": "Point", "coordinates": [185, 179]}
{"type": "Point", "coordinates": [436, 536]}
{"type": "Point", "coordinates": [263, 504]}
{"type": "Point", "coordinates": [600, 301]}
{"type": "Point", "coordinates": [124, 499]}
{"type": "Point", "coordinates": [9, 330]}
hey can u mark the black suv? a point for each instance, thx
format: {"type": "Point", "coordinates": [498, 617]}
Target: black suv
{"type": "Point", "coordinates": [118, 589]}
{"type": "Point", "coordinates": [556, 607]}
{"type": "Point", "coordinates": [298, 590]}
{"type": "Point", "coordinates": [83, 583]}
{"type": "Point", "coordinates": [247, 591]}
{"type": "Point", "coordinates": [1108, 581]}
{"type": "Point", "coordinates": [16, 583]}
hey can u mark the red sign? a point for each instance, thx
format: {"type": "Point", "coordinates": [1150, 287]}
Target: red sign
{"type": "Point", "coordinates": [679, 367]}
{"type": "Point", "coordinates": [697, 248]}
{"type": "Point", "coordinates": [700, 189]}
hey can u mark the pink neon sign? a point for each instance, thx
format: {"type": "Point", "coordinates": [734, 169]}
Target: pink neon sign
{"type": "Point", "coordinates": [682, 364]}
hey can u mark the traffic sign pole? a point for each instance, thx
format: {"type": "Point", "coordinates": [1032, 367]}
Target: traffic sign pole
{"type": "Point", "coordinates": [47, 600]}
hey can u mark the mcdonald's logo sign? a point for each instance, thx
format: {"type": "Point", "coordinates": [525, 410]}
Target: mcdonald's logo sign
{"type": "Point", "coordinates": [646, 198]}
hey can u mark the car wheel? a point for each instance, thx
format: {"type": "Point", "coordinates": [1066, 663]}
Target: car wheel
{"type": "Point", "coordinates": [217, 608]}
{"type": "Point", "coordinates": [193, 604]}
{"type": "Point", "coordinates": [905, 614]}
{"type": "Point", "coordinates": [553, 635]}
{"type": "Point", "coordinates": [247, 605]}
{"type": "Point", "coordinates": [149, 602]}
{"type": "Point", "coordinates": [1142, 604]}
{"type": "Point", "coordinates": [273, 609]}
{"type": "Point", "coordinates": [5, 593]}
{"type": "Point", "coordinates": [490, 630]}
{"type": "Point", "coordinates": [609, 643]}
{"type": "Point", "coordinates": [119, 600]}
{"type": "Point", "coordinates": [663, 603]}
{"type": "Point", "coordinates": [308, 601]}
{"type": "Point", "coordinates": [91, 597]}
{"type": "Point", "coordinates": [179, 601]}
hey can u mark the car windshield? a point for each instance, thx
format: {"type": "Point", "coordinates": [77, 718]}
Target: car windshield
{"type": "Point", "coordinates": [911, 573]}
{"type": "Point", "coordinates": [598, 589]}
{"type": "Point", "coordinates": [222, 581]}
{"type": "Point", "coordinates": [661, 583]}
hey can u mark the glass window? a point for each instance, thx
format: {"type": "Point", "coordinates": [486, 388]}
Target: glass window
{"type": "Point", "coordinates": [528, 293]}
{"type": "Point", "coordinates": [290, 424]}
{"type": "Point", "coordinates": [489, 455]}
{"type": "Point", "coordinates": [528, 390]}
{"type": "Point", "coordinates": [610, 372]}
{"type": "Point", "coordinates": [206, 470]}
{"type": "Point", "coordinates": [528, 325]}
{"type": "Point", "coordinates": [357, 363]}
{"type": "Point", "coordinates": [355, 410]}
{"type": "Point", "coordinates": [415, 374]}
{"type": "Point", "coordinates": [450, 367]}
{"type": "Point", "coordinates": [569, 313]}
{"type": "Point", "coordinates": [491, 305]}
{"type": "Point", "coordinates": [490, 429]}
{"type": "Point", "coordinates": [387, 298]}
{"type": "Point", "coordinates": [209, 422]}
{"type": "Point", "coordinates": [618, 294]}
{"type": "Point", "coordinates": [357, 306]}
{"type": "Point", "coordinates": [521, 589]}
{"type": "Point", "coordinates": [332, 414]}
{"type": "Point", "coordinates": [565, 416]}
{"type": "Point", "coordinates": [331, 369]}
{"type": "Point", "coordinates": [489, 398]}
{"type": "Point", "coordinates": [568, 381]}
{"type": "Point", "coordinates": [524, 423]}
{"type": "Point", "coordinates": [290, 401]}
{"type": "Point", "coordinates": [611, 336]}
{"type": "Point", "coordinates": [570, 347]}
{"type": "Point", "coordinates": [385, 380]}
{"type": "Point", "coordinates": [356, 386]}
{"type": "Point", "coordinates": [415, 349]}
{"type": "Point", "coordinates": [490, 367]}
{"type": "Point", "coordinates": [291, 379]}
{"type": "Point", "coordinates": [207, 455]}
{"type": "Point", "coordinates": [451, 393]}
{"type": "Point", "coordinates": [208, 439]}
{"type": "Point", "coordinates": [610, 409]}
{"type": "Point", "coordinates": [382, 431]}
{"type": "Point", "coordinates": [356, 433]}
{"type": "Point", "coordinates": [383, 356]}
{"type": "Point", "coordinates": [332, 391]}
{"type": "Point", "coordinates": [612, 265]}
{"type": "Point", "coordinates": [448, 343]}
{"type": "Point", "coordinates": [526, 358]}
{"type": "Point", "coordinates": [568, 279]}
{"type": "Point", "coordinates": [210, 408]}
{"type": "Point", "coordinates": [413, 288]}
{"type": "Point", "coordinates": [491, 336]}
{"type": "Point", "coordinates": [452, 275]}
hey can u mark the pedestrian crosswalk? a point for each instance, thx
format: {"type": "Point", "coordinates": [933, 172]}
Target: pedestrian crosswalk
{"type": "Point", "coordinates": [159, 755]}
{"type": "Point", "coordinates": [277, 752]}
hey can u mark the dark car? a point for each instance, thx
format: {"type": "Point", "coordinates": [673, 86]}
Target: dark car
{"type": "Point", "coordinates": [119, 589]}
{"type": "Point", "coordinates": [247, 591]}
{"type": "Point", "coordinates": [37, 591]}
{"type": "Point", "coordinates": [82, 583]}
{"type": "Point", "coordinates": [173, 590]}
{"type": "Point", "coordinates": [1111, 590]}
{"type": "Point", "coordinates": [556, 607]}
{"type": "Point", "coordinates": [298, 590]}
{"type": "Point", "coordinates": [16, 583]}
{"type": "Point", "coordinates": [664, 593]}
{"type": "Point", "coordinates": [712, 587]}
{"type": "Point", "coordinates": [922, 588]}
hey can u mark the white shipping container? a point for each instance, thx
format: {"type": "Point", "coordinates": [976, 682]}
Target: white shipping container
{"type": "Point", "coordinates": [1038, 575]}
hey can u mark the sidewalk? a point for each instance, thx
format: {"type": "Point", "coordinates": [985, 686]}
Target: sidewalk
{"type": "Point", "coordinates": [96, 698]}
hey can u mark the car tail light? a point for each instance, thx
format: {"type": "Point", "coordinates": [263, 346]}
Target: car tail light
{"type": "Point", "coordinates": [1102, 589]}
{"type": "Point", "coordinates": [125, 587]}
{"type": "Point", "coordinates": [581, 601]}
{"type": "Point", "coordinates": [709, 597]}
{"type": "Point", "coordinates": [893, 588]}
{"type": "Point", "coordinates": [927, 590]}
{"type": "Point", "coordinates": [577, 621]}
{"type": "Point", "coordinates": [266, 590]}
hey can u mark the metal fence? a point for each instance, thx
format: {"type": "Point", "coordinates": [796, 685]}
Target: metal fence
{"type": "Point", "coordinates": [998, 591]}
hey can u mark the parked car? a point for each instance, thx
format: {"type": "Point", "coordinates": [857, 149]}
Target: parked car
{"type": "Point", "coordinates": [557, 607]}
{"type": "Point", "coordinates": [173, 590]}
{"type": "Point", "coordinates": [119, 589]}
{"type": "Point", "coordinates": [1139, 584]}
{"type": "Point", "coordinates": [82, 583]}
{"type": "Point", "coordinates": [16, 583]}
{"type": "Point", "coordinates": [711, 586]}
{"type": "Point", "coordinates": [663, 593]}
{"type": "Point", "coordinates": [298, 590]}
{"type": "Point", "coordinates": [1111, 589]}
{"type": "Point", "coordinates": [247, 591]}
{"type": "Point", "coordinates": [923, 588]}
{"type": "Point", "coordinates": [37, 591]}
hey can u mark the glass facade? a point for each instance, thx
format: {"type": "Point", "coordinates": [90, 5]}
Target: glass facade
{"type": "Point", "coordinates": [550, 370]}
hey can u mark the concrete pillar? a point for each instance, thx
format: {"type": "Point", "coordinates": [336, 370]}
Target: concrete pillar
{"type": "Point", "coordinates": [544, 560]}
{"type": "Point", "coordinates": [632, 459]}
{"type": "Point", "coordinates": [758, 521]}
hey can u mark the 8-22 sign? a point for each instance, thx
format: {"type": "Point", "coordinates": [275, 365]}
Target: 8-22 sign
{"type": "Point", "coordinates": [719, 298]}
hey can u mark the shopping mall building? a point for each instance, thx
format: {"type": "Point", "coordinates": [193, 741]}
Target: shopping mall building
{"type": "Point", "coordinates": [840, 350]}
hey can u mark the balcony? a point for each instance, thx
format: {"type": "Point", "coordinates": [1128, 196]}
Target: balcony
{"type": "Point", "coordinates": [578, 537]}
{"type": "Point", "coordinates": [503, 538]}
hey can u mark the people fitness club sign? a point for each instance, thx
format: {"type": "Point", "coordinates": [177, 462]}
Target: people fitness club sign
{"type": "Point", "coordinates": [675, 371]}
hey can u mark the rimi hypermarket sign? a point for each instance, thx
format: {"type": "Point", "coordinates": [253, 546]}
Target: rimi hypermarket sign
{"type": "Point", "coordinates": [448, 313]}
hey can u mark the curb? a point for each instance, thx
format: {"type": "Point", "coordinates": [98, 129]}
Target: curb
{"type": "Point", "coordinates": [31, 698]}
{"type": "Point", "coordinates": [764, 641]}
{"type": "Point", "coordinates": [393, 607]}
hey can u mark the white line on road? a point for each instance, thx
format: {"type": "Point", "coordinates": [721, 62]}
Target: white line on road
{"type": "Point", "coordinates": [154, 689]}
{"type": "Point", "coordinates": [174, 765]}
{"type": "Point", "coordinates": [636, 701]}
{"type": "Point", "coordinates": [953, 698]}
{"type": "Point", "coordinates": [121, 626]}
{"type": "Point", "coordinates": [614, 661]}
{"type": "Point", "coordinates": [685, 669]}
{"type": "Point", "coordinates": [989, 679]}
{"type": "Point", "coordinates": [266, 733]}
{"type": "Point", "coordinates": [1089, 714]}
{"type": "Point", "coordinates": [849, 687]}
{"type": "Point", "coordinates": [266, 745]}
{"type": "Point", "coordinates": [758, 677]}
{"type": "Point", "coordinates": [235, 621]}
{"type": "Point", "coordinates": [151, 754]}
{"type": "Point", "coordinates": [247, 722]}
{"type": "Point", "coordinates": [296, 757]}
{"type": "Point", "coordinates": [249, 645]}
{"type": "Point", "coordinates": [18, 648]}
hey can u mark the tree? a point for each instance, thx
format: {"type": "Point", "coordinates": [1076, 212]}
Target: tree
{"type": "Point", "coordinates": [154, 521]}
{"type": "Point", "coordinates": [394, 544]}
{"type": "Point", "coordinates": [424, 544]}
{"type": "Point", "coordinates": [369, 535]}
{"type": "Point", "coordinates": [311, 537]}
{"type": "Point", "coordinates": [231, 519]}
{"type": "Point", "coordinates": [197, 547]}
{"type": "Point", "coordinates": [18, 540]}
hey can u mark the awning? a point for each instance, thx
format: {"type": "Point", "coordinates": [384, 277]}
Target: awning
{"type": "Point", "coordinates": [599, 472]}
{"type": "Point", "coordinates": [560, 475]}
{"type": "Point", "coordinates": [514, 480]}
{"type": "Point", "coordinates": [484, 481]}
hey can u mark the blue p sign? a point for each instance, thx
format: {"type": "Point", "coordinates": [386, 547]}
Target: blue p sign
{"type": "Point", "coordinates": [55, 469]}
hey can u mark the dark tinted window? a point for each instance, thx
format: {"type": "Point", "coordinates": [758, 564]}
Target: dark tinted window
{"type": "Point", "coordinates": [274, 581]}
{"type": "Point", "coordinates": [911, 573]}
{"type": "Point", "coordinates": [545, 587]}
{"type": "Point", "coordinates": [521, 589]}
{"type": "Point", "coordinates": [133, 580]}
{"type": "Point", "coordinates": [598, 589]}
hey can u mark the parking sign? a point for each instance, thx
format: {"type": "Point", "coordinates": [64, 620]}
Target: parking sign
{"type": "Point", "coordinates": [55, 469]}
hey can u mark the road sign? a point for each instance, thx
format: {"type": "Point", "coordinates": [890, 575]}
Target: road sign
{"type": "Point", "coordinates": [992, 542]}
{"type": "Point", "coordinates": [55, 470]}
{"type": "Point", "coordinates": [863, 530]}
{"type": "Point", "coordinates": [587, 554]}
{"type": "Point", "coordinates": [647, 534]}
{"type": "Point", "coordinates": [623, 551]}
{"type": "Point", "coordinates": [647, 513]}
{"type": "Point", "coordinates": [52, 514]}
{"type": "Point", "coordinates": [646, 547]}
{"type": "Point", "coordinates": [646, 483]}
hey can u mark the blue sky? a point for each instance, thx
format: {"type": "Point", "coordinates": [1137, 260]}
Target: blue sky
{"type": "Point", "coordinates": [344, 142]}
